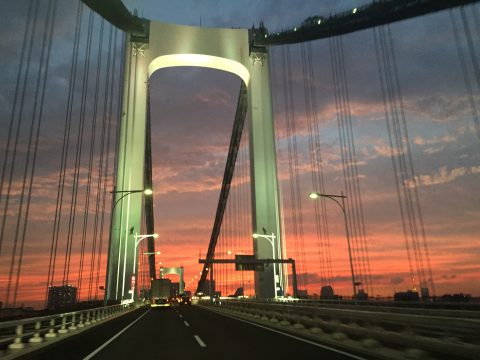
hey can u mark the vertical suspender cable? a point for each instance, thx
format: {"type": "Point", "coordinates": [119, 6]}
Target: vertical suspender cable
{"type": "Point", "coordinates": [19, 121]}
{"type": "Point", "coordinates": [17, 135]}
{"type": "Point", "coordinates": [21, 65]}
{"type": "Point", "coordinates": [116, 139]}
{"type": "Point", "coordinates": [320, 178]}
{"type": "Point", "coordinates": [33, 130]}
{"type": "Point", "coordinates": [64, 158]}
{"type": "Point", "coordinates": [295, 195]}
{"type": "Point", "coordinates": [35, 147]}
{"type": "Point", "coordinates": [383, 75]}
{"type": "Point", "coordinates": [466, 77]}
{"type": "Point", "coordinates": [321, 222]}
{"type": "Point", "coordinates": [413, 176]}
{"type": "Point", "coordinates": [90, 162]}
{"type": "Point", "coordinates": [78, 157]}
{"type": "Point", "coordinates": [471, 46]}
{"type": "Point", "coordinates": [356, 199]}
{"type": "Point", "coordinates": [100, 166]}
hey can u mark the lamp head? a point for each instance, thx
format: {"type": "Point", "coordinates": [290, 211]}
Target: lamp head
{"type": "Point", "coordinates": [255, 236]}
{"type": "Point", "coordinates": [148, 191]}
{"type": "Point", "coordinates": [314, 195]}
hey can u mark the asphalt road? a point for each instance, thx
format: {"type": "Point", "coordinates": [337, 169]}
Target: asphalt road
{"type": "Point", "coordinates": [183, 332]}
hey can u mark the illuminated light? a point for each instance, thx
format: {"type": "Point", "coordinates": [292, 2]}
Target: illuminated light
{"type": "Point", "coordinates": [266, 36]}
{"type": "Point", "coordinates": [354, 11]}
{"type": "Point", "coordinates": [314, 195]}
{"type": "Point", "coordinates": [148, 191]}
{"type": "Point", "coordinates": [200, 60]}
{"type": "Point", "coordinates": [155, 236]}
{"type": "Point", "coordinates": [255, 236]}
{"type": "Point", "coordinates": [206, 269]}
{"type": "Point", "coordinates": [229, 252]}
{"type": "Point", "coordinates": [319, 22]}
{"type": "Point", "coordinates": [294, 29]}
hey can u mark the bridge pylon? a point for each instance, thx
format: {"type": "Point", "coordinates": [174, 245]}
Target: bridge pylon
{"type": "Point", "coordinates": [228, 50]}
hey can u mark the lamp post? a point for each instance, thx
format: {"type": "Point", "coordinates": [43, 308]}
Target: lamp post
{"type": "Point", "coordinates": [124, 193]}
{"type": "Point", "coordinates": [138, 239]}
{"type": "Point", "coordinates": [316, 195]}
{"type": "Point", "coordinates": [271, 240]}
{"type": "Point", "coordinates": [128, 192]}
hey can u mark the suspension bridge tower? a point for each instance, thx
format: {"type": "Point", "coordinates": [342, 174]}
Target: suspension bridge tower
{"type": "Point", "coordinates": [231, 50]}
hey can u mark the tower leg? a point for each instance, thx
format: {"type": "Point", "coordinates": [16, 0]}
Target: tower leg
{"type": "Point", "coordinates": [265, 197]}
{"type": "Point", "coordinates": [126, 217]}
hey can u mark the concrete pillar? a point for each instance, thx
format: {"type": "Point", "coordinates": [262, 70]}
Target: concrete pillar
{"type": "Point", "coordinates": [130, 169]}
{"type": "Point", "coordinates": [263, 169]}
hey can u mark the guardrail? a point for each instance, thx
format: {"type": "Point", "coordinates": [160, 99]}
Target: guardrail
{"type": "Point", "coordinates": [374, 334]}
{"type": "Point", "coordinates": [18, 337]}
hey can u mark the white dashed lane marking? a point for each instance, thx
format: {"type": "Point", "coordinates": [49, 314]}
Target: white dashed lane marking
{"type": "Point", "coordinates": [200, 341]}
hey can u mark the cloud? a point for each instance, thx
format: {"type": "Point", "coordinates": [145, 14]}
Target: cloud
{"type": "Point", "coordinates": [448, 138]}
{"type": "Point", "coordinates": [396, 280]}
{"type": "Point", "coordinates": [442, 176]}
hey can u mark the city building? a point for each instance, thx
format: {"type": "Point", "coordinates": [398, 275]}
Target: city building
{"type": "Point", "coordinates": [61, 297]}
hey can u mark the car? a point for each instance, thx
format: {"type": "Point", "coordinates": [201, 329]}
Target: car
{"type": "Point", "coordinates": [185, 300]}
{"type": "Point", "coordinates": [160, 303]}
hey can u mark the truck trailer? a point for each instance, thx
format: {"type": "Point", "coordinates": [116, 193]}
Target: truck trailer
{"type": "Point", "coordinates": [160, 293]}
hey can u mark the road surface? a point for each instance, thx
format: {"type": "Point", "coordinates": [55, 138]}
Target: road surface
{"type": "Point", "coordinates": [184, 332]}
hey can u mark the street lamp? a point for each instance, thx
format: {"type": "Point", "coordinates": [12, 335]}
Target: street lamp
{"type": "Point", "coordinates": [138, 239]}
{"type": "Point", "coordinates": [316, 195]}
{"type": "Point", "coordinates": [271, 240]}
{"type": "Point", "coordinates": [124, 193]}
{"type": "Point", "coordinates": [128, 192]}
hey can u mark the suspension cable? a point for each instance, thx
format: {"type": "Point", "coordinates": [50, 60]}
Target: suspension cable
{"type": "Point", "coordinates": [64, 157]}
{"type": "Point", "coordinates": [19, 120]}
{"type": "Point", "coordinates": [78, 156]}
{"type": "Point", "coordinates": [90, 162]}
{"type": "Point", "coordinates": [31, 153]}
{"type": "Point", "coordinates": [100, 165]}
{"type": "Point", "coordinates": [466, 77]}
{"type": "Point", "coordinates": [21, 65]}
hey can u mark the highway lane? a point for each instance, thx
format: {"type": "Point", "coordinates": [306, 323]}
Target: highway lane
{"type": "Point", "coordinates": [191, 332]}
{"type": "Point", "coordinates": [183, 332]}
{"type": "Point", "coordinates": [79, 346]}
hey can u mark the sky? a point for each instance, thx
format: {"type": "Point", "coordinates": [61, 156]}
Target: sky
{"type": "Point", "coordinates": [192, 116]}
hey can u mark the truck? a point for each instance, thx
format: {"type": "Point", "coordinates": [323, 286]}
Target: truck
{"type": "Point", "coordinates": [160, 293]}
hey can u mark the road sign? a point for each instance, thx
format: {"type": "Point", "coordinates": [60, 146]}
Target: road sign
{"type": "Point", "coordinates": [247, 263]}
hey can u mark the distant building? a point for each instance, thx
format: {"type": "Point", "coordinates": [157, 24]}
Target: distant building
{"type": "Point", "coordinates": [425, 293]}
{"type": "Point", "coordinates": [406, 296]}
{"type": "Point", "coordinates": [238, 292]}
{"type": "Point", "coordinates": [361, 295]}
{"type": "Point", "coordinates": [302, 293]}
{"type": "Point", "coordinates": [326, 292]}
{"type": "Point", "coordinates": [61, 297]}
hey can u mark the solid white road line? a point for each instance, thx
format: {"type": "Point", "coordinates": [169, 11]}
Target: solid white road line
{"type": "Point", "coordinates": [186, 324]}
{"type": "Point", "coordinates": [200, 342]}
{"type": "Point", "coordinates": [292, 336]}
{"type": "Point", "coordinates": [89, 356]}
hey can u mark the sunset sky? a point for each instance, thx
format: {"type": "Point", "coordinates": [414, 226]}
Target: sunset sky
{"type": "Point", "coordinates": [192, 114]}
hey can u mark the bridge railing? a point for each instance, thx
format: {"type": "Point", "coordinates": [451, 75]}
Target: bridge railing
{"type": "Point", "coordinates": [375, 334]}
{"type": "Point", "coordinates": [25, 334]}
